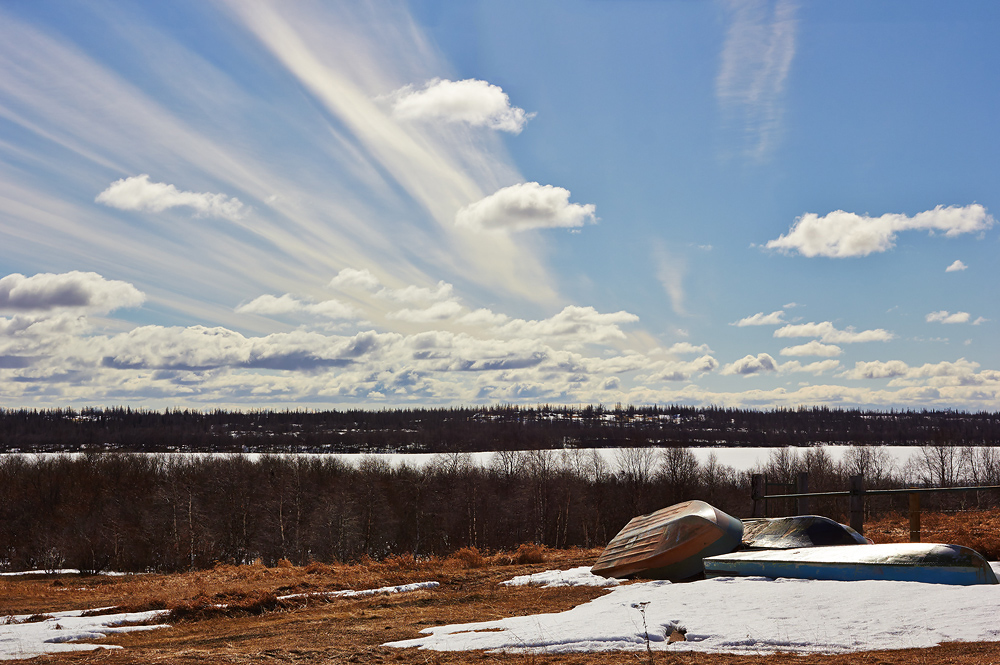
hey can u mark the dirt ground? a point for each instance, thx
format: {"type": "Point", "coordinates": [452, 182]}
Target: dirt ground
{"type": "Point", "coordinates": [258, 629]}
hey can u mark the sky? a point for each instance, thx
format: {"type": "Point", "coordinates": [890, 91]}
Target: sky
{"type": "Point", "coordinates": [244, 204]}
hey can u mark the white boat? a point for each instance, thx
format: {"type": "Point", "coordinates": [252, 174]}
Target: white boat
{"type": "Point", "coordinates": [902, 562]}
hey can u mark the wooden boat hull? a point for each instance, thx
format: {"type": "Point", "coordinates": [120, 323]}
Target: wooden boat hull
{"type": "Point", "coordinates": [785, 533]}
{"type": "Point", "coordinates": [670, 544]}
{"type": "Point", "coordinates": [903, 562]}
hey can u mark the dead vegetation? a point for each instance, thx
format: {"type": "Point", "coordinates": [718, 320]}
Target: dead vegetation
{"type": "Point", "coordinates": [235, 614]}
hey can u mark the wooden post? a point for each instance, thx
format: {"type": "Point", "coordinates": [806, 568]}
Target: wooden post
{"type": "Point", "coordinates": [858, 503]}
{"type": "Point", "coordinates": [915, 518]}
{"type": "Point", "coordinates": [757, 485]}
{"type": "Point", "coordinates": [802, 487]}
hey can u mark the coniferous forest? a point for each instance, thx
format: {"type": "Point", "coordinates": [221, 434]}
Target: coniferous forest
{"type": "Point", "coordinates": [481, 429]}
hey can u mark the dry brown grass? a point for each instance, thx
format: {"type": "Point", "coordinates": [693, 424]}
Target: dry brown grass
{"type": "Point", "coordinates": [978, 529]}
{"type": "Point", "coordinates": [256, 627]}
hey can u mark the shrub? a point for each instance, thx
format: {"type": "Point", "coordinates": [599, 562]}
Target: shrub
{"type": "Point", "coordinates": [470, 556]}
{"type": "Point", "coordinates": [529, 553]}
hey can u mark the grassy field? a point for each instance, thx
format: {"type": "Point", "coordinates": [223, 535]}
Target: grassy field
{"type": "Point", "coordinates": [255, 627]}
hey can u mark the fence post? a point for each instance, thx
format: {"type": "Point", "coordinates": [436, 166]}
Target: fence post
{"type": "Point", "coordinates": [802, 487]}
{"type": "Point", "coordinates": [914, 518]}
{"type": "Point", "coordinates": [858, 503]}
{"type": "Point", "coordinates": [757, 485]}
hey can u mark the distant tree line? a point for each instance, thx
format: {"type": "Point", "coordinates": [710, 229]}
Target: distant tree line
{"type": "Point", "coordinates": [163, 512]}
{"type": "Point", "coordinates": [482, 429]}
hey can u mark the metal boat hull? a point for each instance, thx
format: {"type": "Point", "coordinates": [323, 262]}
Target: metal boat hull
{"type": "Point", "coordinates": [903, 562]}
{"type": "Point", "coordinates": [671, 543]}
{"type": "Point", "coordinates": [784, 533]}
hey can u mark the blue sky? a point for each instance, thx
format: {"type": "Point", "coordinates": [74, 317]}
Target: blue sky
{"type": "Point", "coordinates": [318, 205]}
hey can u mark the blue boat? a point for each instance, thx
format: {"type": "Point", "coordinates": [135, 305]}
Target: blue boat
{"type": "Point", "coordinates": [902, 562]}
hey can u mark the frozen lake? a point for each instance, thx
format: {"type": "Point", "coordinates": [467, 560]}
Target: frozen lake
{"type": "Point", "coordinates": [741, 459]}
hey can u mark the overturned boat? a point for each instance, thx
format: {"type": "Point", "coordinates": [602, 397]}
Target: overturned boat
{"type": "Point", "coordinates": [785, 533]}
{"type": "Point", "coordinates": [901, 562]}
{"type": "Point", "coordinates": [671, 543]}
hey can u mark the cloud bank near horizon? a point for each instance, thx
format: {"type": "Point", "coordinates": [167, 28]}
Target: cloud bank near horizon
{"type": "Point", "coordinates": [50, 347]}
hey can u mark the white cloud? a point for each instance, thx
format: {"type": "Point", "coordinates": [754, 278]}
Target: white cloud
{"type": "Point", "coordinates": [351, 278]}
{"type": "Point", "coordinates": [958, 368]}
{"type": "Point", "coordinates": [762, 319]}
{"type": "Point", "coordinates": [138, 193]}
{"type": "Point", "coordinates": [842, 234]}
{"type": "Point", "coordinates": [439, 311]}
{"type": "Point", "coordinates": [268, 305]}
{"type": "Point", "coordinates": [527, 205]}
{"type": "Point", "coordinates": [816, 368]}
{"type": "Point", "coordinates": [682, 371]}
{"type": "Point", "coordinates": [877, 370]}
{"type": "Point", "coordinates": [417, 294]}
{"type": "Point", "coordinates": [484, 318]}
{"type": "Point", "coordinates": [86, 291]}
{"type": "Point", "coordinates": [354, 278]}
{"type": "Point", "coordinates": [749, 364]}
{"type": "Point", "coordinates": [683, 348]}
{"type": "Point", "coordinates": [826, 332]}
{"type": "Point", "coordinates": [813, 348]}
{"type": "Point", "coordinates": [581, 324]}
{"type": "Point", "coordinates": [956, 267]}
{"type": "Point", "coordinates": [471, 101]}
{"type": "Point", "coordinates": [755, 61]}
{"type": "Point", "coordinates": [946, 317]}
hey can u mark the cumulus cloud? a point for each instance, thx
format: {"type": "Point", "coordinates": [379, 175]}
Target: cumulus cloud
{"type": "Point", "coordinates": [582, 324]}
{"type": "Point", "coordinates": [86, 291]}
{"type": "Point", "coordinates": [471, 101]}
{"type": "Point", "coordinates": [527, 205]}
{"type": "Point", "coordinates": [683, 371]}
{"type": "Point", "coordinates": [877, 370]}
{"type": "Point", "coordinates": [354, 278]}
{"type": "Point", "coordinates": [816, 368]}
{"type": "Point", "coordinates": [138, 193]}
{"type": "Point", "coordinates": [828, 333]}
{"type": "Point", "coordinates": [351, 278]}
{"type": "Point", "coordinates": [484, 318]}
{"type": "Point", "coordinates": [956, 267]}
{"type": "Point", "coordinates": [958, 378]}
{"type": "Point", "coordinates": [684, 348]}
{"type": "Point", "coordinates": [813, 348]}
{"type": "Point", "coordinates": [842, 234]}
{"type": "Point", "coordinates": [439, 311]}
{"type": "Point", "coordinates": [417, 294]}
{"type": "Point", "coordinates": [750, 364]}
{"type": "Point", "coordinates": [762, 319]}
{"type": "Point", "coordinates": [946, 317]}
{"type": "Point", "coordinates": [268, 305]}
{"type": "Point", "coordinates": [201, 348]}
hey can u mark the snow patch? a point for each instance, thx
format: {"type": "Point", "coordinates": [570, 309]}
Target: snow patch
{"type": "Point", "coordinates": [58, 633]}
{"type": "Point", "coordinates": [555, 578]}
{"type": "Point", "coordinates": [751, 615]}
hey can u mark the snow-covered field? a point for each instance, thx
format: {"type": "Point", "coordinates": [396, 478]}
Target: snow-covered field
{"type": "Point", "coordinates": [58, 632]}
{"type": "Point", "coordinates": [750, 615]}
